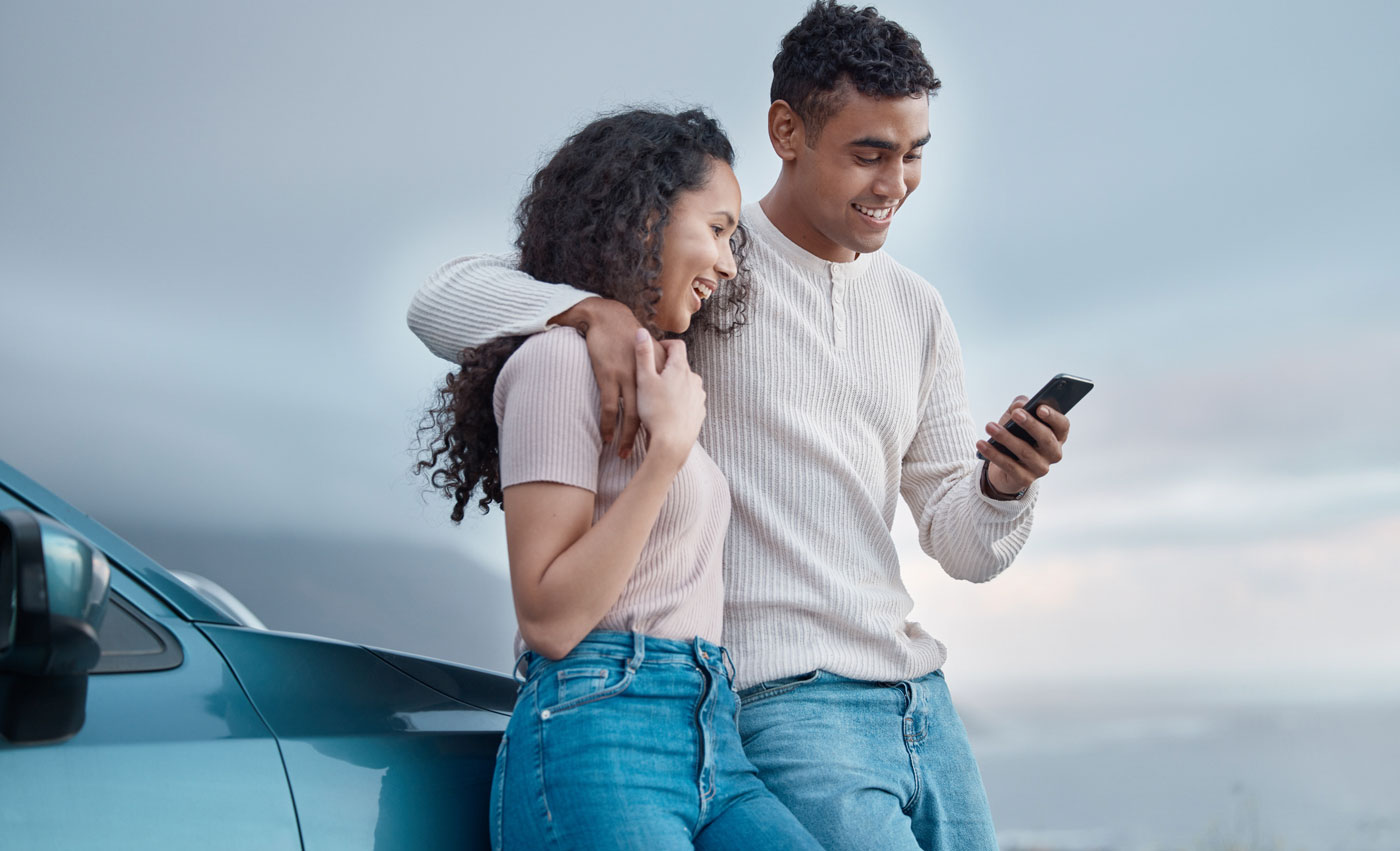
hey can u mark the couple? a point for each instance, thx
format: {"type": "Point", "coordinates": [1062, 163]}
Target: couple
{"type": "Point", "coordinates": [842, 392]}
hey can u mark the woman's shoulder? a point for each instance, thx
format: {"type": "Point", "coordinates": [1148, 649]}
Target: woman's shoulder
{"type": "Point", "coordinates": [558, 356]}
{"type": "Point", "coordinates": [557, 344]}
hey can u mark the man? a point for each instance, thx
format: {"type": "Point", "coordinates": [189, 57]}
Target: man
{"type": "Point", "coordinates": [843, 392]}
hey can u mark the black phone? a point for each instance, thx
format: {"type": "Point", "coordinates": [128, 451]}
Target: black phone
{"type": "Point", "coordinates": [1061, 393]}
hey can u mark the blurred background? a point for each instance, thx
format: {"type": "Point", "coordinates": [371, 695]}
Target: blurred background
{"type": "Point", "coordinates": [212, 217]}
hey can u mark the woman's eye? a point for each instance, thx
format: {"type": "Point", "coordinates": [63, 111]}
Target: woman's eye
{"type": "Point", "coordinates": [718, 229]}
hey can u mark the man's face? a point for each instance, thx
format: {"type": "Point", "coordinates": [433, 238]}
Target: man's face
{"type": "Point", "coordinates": [866, 160]}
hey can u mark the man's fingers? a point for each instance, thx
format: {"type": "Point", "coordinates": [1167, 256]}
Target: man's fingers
{"type": "Point", "coordinates": [1010, 409]}
{"type": "Point", "coordinates": [630, 420]}
{"type": "Point", "coordinates": [1057, 422]}
{"type": "Point", "coordinates": [1028, 458]}
{"type": "Point", "coordinates": [1047, 442]}
{"type": "Point", "coordinates": [607, 421]}
{"type": "Point", "coordinates": [644, 348]}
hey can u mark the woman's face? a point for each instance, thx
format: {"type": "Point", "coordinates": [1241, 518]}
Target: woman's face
{"type": "Point", "coordinates": [695, 254]}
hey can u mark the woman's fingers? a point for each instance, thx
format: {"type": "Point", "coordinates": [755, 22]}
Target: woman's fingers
{"type": "Point", "coordinates": [675, 354]}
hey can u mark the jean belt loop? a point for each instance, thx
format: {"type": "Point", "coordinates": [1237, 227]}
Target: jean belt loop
{"type": "Point", "coordinates": [639, 651]}
{"type": "Point", "coordinates": [516, 670]}
{"type": "Point", "coordinates": [728, 664]}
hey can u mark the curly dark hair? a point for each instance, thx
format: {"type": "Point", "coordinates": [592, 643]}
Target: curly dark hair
{"type": "Point", "coordinates": [595, 217]}
{"type": "Point", "coordinates": [835, 44]}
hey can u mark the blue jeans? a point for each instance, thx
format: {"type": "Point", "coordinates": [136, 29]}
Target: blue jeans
{"type": "Point", "coordinates": [630, 742]}
{"type": "Point", "coordinates": [869, 765]}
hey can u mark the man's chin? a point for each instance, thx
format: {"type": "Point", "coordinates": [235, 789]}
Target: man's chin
{"type": "Point", "coordinates": [867, 243]}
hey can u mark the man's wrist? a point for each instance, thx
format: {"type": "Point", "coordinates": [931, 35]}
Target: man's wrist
{"type": "Point", "coordinates": [991, 490]}
{"type": "Point", "coordinates": [578, 317]}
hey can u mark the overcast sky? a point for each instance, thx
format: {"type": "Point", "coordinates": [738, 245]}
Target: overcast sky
{"type": "Point", "coordinates": [212, 217]}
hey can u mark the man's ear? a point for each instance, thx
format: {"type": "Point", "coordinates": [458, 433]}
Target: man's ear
{"type": "Point", "coordinates": [785, 130]}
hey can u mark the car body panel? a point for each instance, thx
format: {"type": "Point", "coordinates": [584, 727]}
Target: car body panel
{"type": "Point", "coordinates": [482, 689]}
{"type": "Point", "coordinates": [391, 763]}
{"type": "Point", "coordinates": [166, 759]}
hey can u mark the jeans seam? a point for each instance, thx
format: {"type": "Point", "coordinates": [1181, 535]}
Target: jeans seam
{"type": "Point", "coordinates": [540, 773]}
{"type": "Point", "coordinates": [499, 793]}
{"type": "Point", "coordinates": [910, 724]}
{"type": "Point", "coordinates": [918, 779]}
{"type": "Point", "coordinates": [702, 797]}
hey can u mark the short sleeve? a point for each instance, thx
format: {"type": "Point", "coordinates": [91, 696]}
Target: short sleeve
{"type": "Point", "coordinates": [547, 409]}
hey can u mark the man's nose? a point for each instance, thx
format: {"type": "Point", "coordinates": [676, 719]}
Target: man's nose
{"type": "Point", "coordinates": [890, 182]}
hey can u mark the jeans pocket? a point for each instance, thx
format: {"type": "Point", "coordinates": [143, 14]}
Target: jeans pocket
{"type": "Point", "coordinates": [773, 688]}
{"type": "Point", "coordinates": [498, 795]}
{"type": "Point", "coordinates": [574, 687]}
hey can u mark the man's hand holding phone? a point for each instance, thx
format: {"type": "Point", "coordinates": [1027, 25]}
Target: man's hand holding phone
{"type": "Point", "coordinates": [1029, 437]}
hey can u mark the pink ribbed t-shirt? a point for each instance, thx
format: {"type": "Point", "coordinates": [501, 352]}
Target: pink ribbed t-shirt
{"type": "Point", "coordinates": [547, 410]}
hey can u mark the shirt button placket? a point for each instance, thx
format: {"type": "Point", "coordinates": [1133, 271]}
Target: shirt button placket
{"type": "Point", "coordinates": [838, 305]}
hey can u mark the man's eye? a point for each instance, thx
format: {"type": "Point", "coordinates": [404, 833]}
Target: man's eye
{"type": "Point", "coordinates": [913, 157]}
{"type": "Point", "coordinates": [867, 160]}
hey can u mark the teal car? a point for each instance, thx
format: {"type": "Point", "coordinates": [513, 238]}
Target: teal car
{"type": "Point", "coordinates": [138, 712]}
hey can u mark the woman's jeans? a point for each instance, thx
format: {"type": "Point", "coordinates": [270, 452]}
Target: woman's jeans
{"type": "Point", "coordinates": [631, 742]}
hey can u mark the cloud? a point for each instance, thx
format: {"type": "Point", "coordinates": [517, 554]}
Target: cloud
{"type": "Point", "coordinates": [1275, 605]}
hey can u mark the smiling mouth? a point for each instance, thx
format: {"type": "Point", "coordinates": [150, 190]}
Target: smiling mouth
{"type": "Point", "coordinates": [879, 214]}
{"type": "Point", "coordinates": [702, 288]}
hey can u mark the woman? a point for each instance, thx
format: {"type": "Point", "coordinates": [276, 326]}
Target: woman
{"type": "Point", "coordinates": [624, 731]}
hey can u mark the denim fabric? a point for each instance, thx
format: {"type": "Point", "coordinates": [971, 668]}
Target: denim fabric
{"type": "Point", "coordinates": [630, 742]}
{"type": "Point", "coordinates": [869, 765]}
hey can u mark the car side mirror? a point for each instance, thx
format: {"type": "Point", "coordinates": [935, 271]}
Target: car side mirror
{"type": "Point", "coordinates": [53, 595]}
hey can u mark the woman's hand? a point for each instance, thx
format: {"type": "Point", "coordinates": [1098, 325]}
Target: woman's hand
{"type": "Point", "coordinates": [670, 401]}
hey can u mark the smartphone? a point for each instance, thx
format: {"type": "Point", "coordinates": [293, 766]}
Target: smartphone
{"type": "Point", "coordinates": [1061, 393]}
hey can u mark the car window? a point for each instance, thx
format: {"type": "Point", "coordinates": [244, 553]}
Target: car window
{"type": "Point", "coordinates": [132, 642]}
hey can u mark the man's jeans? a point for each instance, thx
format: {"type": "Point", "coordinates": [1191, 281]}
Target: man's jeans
{"type": "Point", "coordinates": [630, 742]}
{"type": "Point", "coordinates": [869, 765]}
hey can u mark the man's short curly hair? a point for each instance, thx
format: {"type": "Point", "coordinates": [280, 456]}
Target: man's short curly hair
{"type": "Point", "coordinates": [835, 44]}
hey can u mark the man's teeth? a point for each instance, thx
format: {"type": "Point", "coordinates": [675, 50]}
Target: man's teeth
{"type": "Point", "coordinates": [879, 214]}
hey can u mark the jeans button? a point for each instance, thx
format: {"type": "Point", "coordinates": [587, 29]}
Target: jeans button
{"type": "Point", "coordinates": [544, 716]}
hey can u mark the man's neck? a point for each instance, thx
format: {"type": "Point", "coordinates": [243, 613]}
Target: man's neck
{"type": "Point", "coordinates": [782, 208]}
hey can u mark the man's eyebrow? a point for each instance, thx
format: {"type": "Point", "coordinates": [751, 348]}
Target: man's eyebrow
{"type": "Point", "coordinates": [885, 144]}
